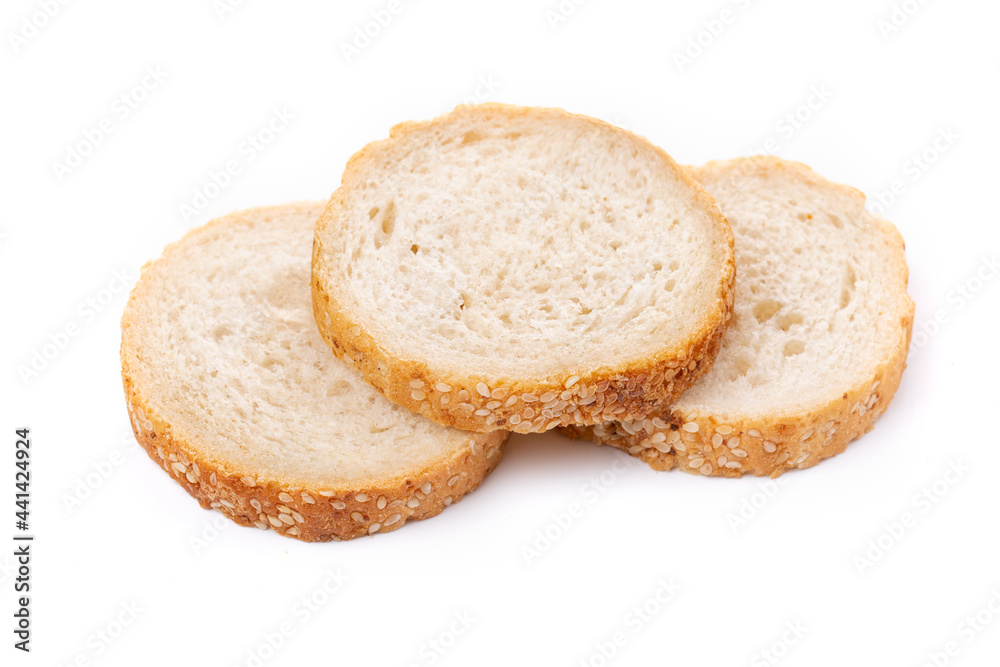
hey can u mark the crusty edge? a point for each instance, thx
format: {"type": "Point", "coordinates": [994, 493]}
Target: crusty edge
{"type": "Point", "coordinates": [708, 445]}
{"type": "Point", "coordinates": [629, 390]}
{"type": "Point", "coordinates": [294, 508]}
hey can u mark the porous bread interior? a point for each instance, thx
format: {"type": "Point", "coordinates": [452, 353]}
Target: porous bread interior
{"type": "Point", "coordinates": [818, 305]}
{"type": "Point", "coordinates": [535, 241]}
{"type": "Point", "coordinates": [226, 342]}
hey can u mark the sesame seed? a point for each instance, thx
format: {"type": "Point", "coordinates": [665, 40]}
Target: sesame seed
{"type": "Point", "coordinates": [338, 504]}
{"type": "Point", "coordinates": [442, 387]}
{"type": "Point", "coordinates": [635, 449]}
{"type": "Point", "coordinates": [180, 467]}
{"type": "Point", "coordinates": [227, 503]}
{"type": "Point", "coordinates": [286, 518]}
{"type": "Point", "coordinates": [298, 517]}
{"type": "Point", "coordinates": [547, 396]}
{"type": "Point", "coordinates": [602, 386]}
{"type": "Point", "coordinates": [511, 401]}
{"type": "Point", "coordinates": [191, 477]}
{"type": "Point", "coordinates": [426, 487]}
{"type": "Point", "coordinates": [357, 516]}
{"type": "Point", "coordinates": [659, 423]}
{"type": "Point", "coordinates": [529, 413]}
{"type": "Point", "coordinates": [724, 429]}
{"type": "Point", "coordinates": [753, 433]}
{"type": "Point", "coordinates": [453, 479]}
{"type": "Point", "coordinates": [658, 437]}
{"type": "Point", "coordinates": [393, 519]}
{"type": "Point", "coordinates": [782, 457]}
{"type": "Point", "coordinates": [284, 497]}
{"type": "Point", "coordinates": [418, 394]}
{"type": "Point", "coordinates": [444, 399]}
{"type": "Point", "coordinates": [463, 395]}
{"type": "Point", "coordinates": [372, 529]}
{"type": "Point", "coordinates": [447, 501]}
{"type": "Point", "coordinates": [254, 503]}
{"type": "Point", "coordinates": [381, 502]}
{"type": "Point", "coordinates": [722, 460]}
{"type": "Point", "coordinates": [673, 436]}
{"type": "Point", "coordinates": [808, 434]}
{"type": "Point", "coordinates": [148, 425]}
{"type": "Point", "coordinates": [739, 452]}
{"type": "Point", "coordinates": [467, 407]}
{"type": "Point", "coordinates": [662, 446]}
{"type": "Point", "coordinates": [482, 412]}
{"type": "Point", "coordinates": [733, 464]}
{"type": "Point", "coordinates": [306, 498]}
{"type": "Point", "coordinates": [691, 427]}
{"type": "Point", "coordinates": [275, 521]}
{"type": "Point", "coordinates": [261, 525]}
{"type": "Point", "coordinates": [284, 509]}
{"type": "Point", "coordinates": [552, 424]}
{"type": "Point", "coordinates": [696, 463]}
{"type": "Point", "coordinates": [491, 452]}
{"type": "Point", "coordinates": [413, 503]}
{"type": "Point", "coordinates": [493, 405]}
{"type": "Point", "coordinates": [499, 393]}
{"type": "Point", "coordinates": [294, 530]}
{"type": "Point", "coordinates": [395, 503]}
{"type": "Point", "coordinates": [416, 384]}
{"type": "Point", "coordinates": [717, 439]}
{"type": "Point", "coordinates": [770, 447]}
{"type": "Point", "coordinates": [362, 497]}
{"type": "Point", "coordinates": [529, 398]}
{"type": "Point", "coordinates": [483, 390]}
{"type": "Point", "coordinates": [326, 494]}
{"type": "Point", "coordinates": [514, 420]}
{"type": "Point", "coordinates": [249, 481]}
{"type": "Point", "coordinates": [707, 468]}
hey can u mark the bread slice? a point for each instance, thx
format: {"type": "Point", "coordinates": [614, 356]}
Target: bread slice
{"type": "Point", "coordinates": [819, 338]}
{"type": "Point", "coordinates": [519, 268]}
{"type": "Point", "coordinates": [232, 391]}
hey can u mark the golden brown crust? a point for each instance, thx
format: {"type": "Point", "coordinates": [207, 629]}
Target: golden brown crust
{"type": "Point", "coordinates": [294, 507]}
{"type": "Point", "coordinates": [629, 390]}
{"type": "Point", "coordinates": [772, 444]}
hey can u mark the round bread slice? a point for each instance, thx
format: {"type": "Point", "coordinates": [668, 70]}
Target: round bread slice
{"type": "Point", "coordinates": [232, 391]}
{"type": "Point", "coordinates": [819, 337]}
{"type": "Point", "coordinates": [519, 268]}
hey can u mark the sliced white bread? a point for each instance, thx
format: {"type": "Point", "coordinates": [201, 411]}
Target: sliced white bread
{"type": "Point", "coordinates": [232, 391]}
{"type": "Point", "coordinates": [519, 268]}
{"type": "Point", "coordinates": [819, 337]}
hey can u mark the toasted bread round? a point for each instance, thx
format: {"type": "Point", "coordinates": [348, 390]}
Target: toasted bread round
{"type": "Point", "coordinates": [232, 391]}
{"type": "Point", "coordinates": [820, 332]}
{"type": "Point", "coordinates": [519, 268]}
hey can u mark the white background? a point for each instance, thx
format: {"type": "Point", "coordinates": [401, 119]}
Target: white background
{"type": "Point", "coordinates": [884, 96]}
